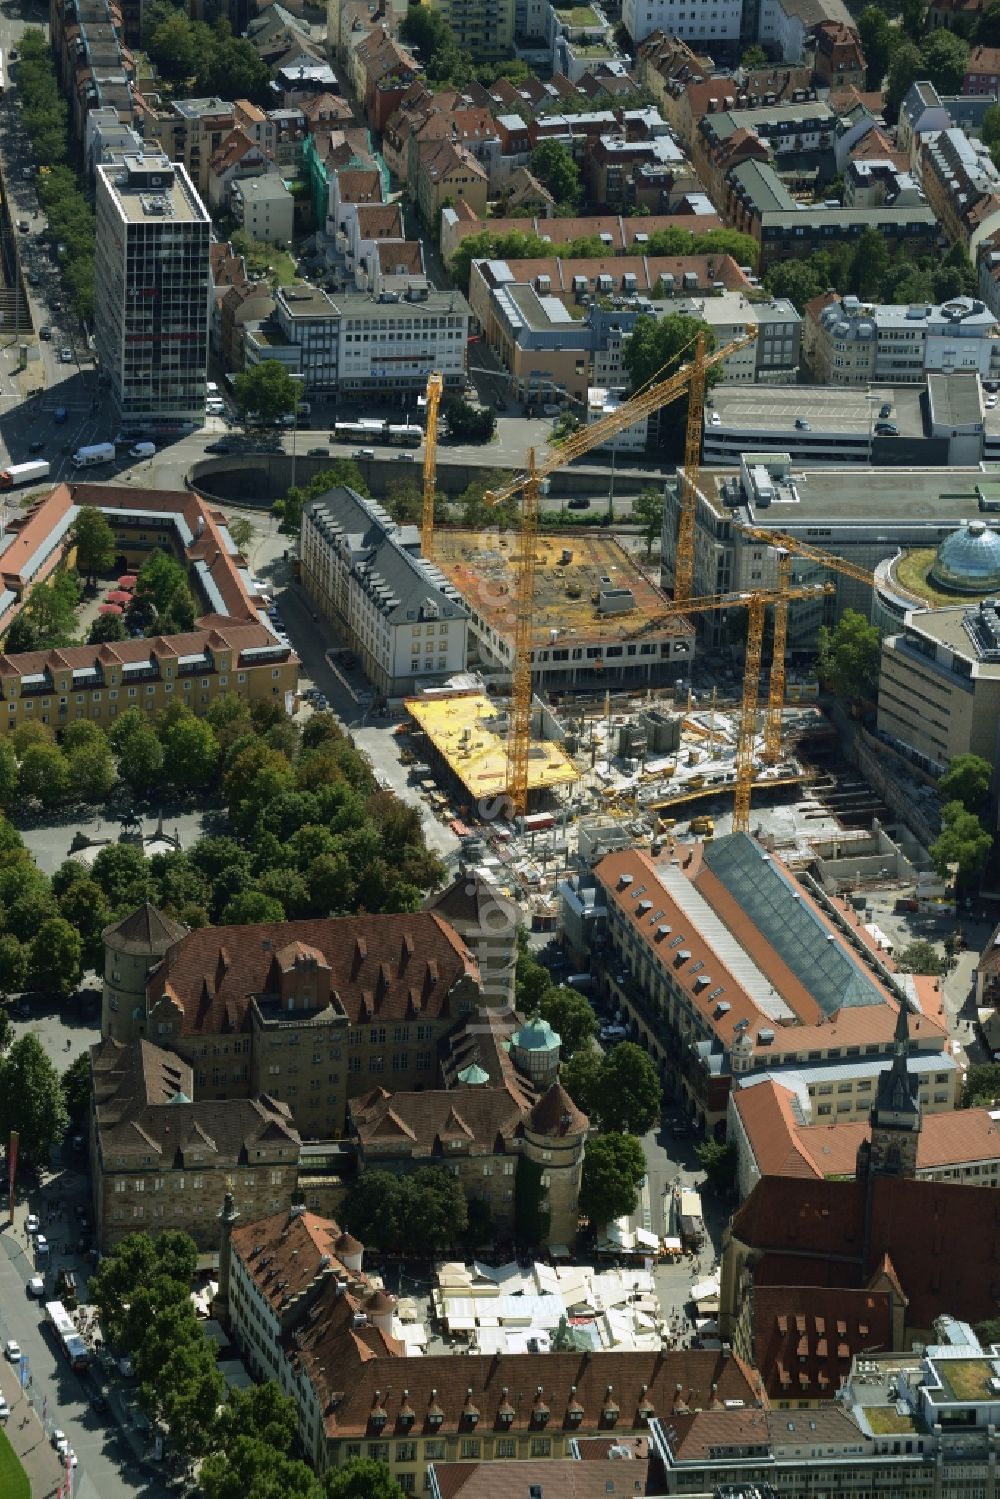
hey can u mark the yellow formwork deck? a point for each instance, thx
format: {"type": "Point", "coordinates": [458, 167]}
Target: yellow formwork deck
{"type": "Point", "coordinates": [460, 729]}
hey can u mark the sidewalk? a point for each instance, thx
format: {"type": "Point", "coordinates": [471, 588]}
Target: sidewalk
{"type": "Point", "coordinates": [28, 1439]}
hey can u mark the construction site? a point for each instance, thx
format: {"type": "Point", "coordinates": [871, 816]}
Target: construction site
{"type": "Point", "coordinates": [596, 617]}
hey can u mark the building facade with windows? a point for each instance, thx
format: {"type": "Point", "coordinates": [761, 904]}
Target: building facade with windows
{"type": "Point", "coordinates": [153, 288]}
{"type": "Point", "coordinates": [728, 965]}
{"type": "Point", "coordinates": [313, 1012]}
{"type": "Point", "coordinates": [160, 1159]}
{"type": "Point", "coordinates": [365, 573]}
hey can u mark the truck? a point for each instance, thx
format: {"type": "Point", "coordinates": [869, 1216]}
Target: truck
{"type": "Point", "coordinates": [98, 452]}
{"type": "Point", "coordinates": [73, 1348]}
{"type": "Point", "coordinates": [23, 473]}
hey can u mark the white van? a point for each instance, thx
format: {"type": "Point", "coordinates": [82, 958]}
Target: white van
{"type": "Point", "coordinates": [214, 406]}
{"type": "Point", "coordinates": [142, 450]}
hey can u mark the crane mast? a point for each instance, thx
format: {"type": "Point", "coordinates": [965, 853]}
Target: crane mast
{"type": "Point", "coordinates": [435, 385]}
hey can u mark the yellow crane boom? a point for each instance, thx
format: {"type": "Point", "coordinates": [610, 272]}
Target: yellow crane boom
{"type": "Point", "coordinates": [529, 486]}
{"type": "Point", "coordinates": [787, 547]}
{"type": "Point", "coordinates": [435, 385]}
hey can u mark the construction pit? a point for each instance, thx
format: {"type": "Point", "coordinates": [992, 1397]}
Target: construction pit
{"type": "Point", "coordinates": [597, 618]}
{"type": "Point", "coordinates": [468, 732]}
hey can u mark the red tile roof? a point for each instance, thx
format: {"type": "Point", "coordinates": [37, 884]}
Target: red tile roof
{"type": "Point", "coordinates": [383, 967]}
{"type": "Point", "coordinates": [804, 1338]}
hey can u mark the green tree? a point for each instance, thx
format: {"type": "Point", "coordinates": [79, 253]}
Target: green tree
{"type": "Point", "coordinates": [963, 841]}
{"type": "Point", "coordinates": [919, 956]}
{"type": "Point", "coordinates": [230, 67]}
{"type": "Point", "coordinates": [190, 751]}
{"type": "Point", "coordinates": [86, 909]}
{"type": "Point", "coordinates": [967, 780]}
{"type": "Point", "coordinates": [92, 773]}
{"type": "Point", "coordinates": [56, 961]}
{"type": "Point", "coordinates": [871, 261]}
{"type": "Point", "coordinates": [654, 350]}
{"type": "Point", "coordinates": [581, 1077]}
{"type": "Point", "coordinates": [629, 1096]}
{"type": "Point", "coordinates": [159, 578]}
{"type": "Point", "coordinates": [139, 751]}
{"type": "Point", "coordinates": [404, 501]}
{"type": "Point", "coordinates": [121, 870]}
{"type": "Point", "coordinates": [556, 170]}
{"type": "Point", "coordinates": [718, 1160]}
{"type": "Point", "coordinates": [137, 1264]}
{"type": "Point", "coordinates": [361, 1478]}
{"type": "Point", "coordinates": [906, 67]}
{"type": "Point", "coordinates": [267, 391]}
{"type": "Point", "coordinates": [178, 616]}
{"type": "Point", "coordinates": [172, 46]}
{"type": "Point", "coordinates": [31, 1099]}
{"type": "Point", "coordinates": [13, 965]}
{"type": "Point", "coordinates": [250, 907]}
{"type": "Point", "coordinates": [914, 16]}
{"type": "Point", "coordinates": [188, 1392]}
{"type": "Point", "coordinates": [754, 57]}
{"type": "Point", "coordinates": [107, 628]}
{"type": "Point", "coordinates": [982, 1085]}
{"type": "Point", "coordinates": [945, 57]}
{"type": "Point", "coordinates": [94, 541]}
{"type": "Point", "coordinates": [44, 775]}
{"type": "Point", "coordinates": [570, 1016]}
{"type": "Point", "coordinates": [795, 279]}
{"type": "Point", "coordinates": [9, 773]}
{"type": "Point", "coordinates": [848, 655]}
{"type": "Point", "coordinates": [76, 1089]}
{"type": "Point", "coordinates": [647, 512]}
{"type": "Point", "coordinates": [875, 35]}
{"type": "Point", "coordinates": [241, 530]}
{"type": "Point", "coordinates": [374, 1206]}
{"type": "Point", "coordinates": [469, 423]}
{"type": "Point", "coordinates": [261, 1411]}
{"type": "Point", "coordinates": [613, 1167]}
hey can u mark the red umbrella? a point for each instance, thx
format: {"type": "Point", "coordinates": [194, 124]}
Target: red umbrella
{"type": "Point", "coordinates": [108, 609]}
{"type": "Point", "coordinates": [128, 581]}
{"type": "Point", "coordinates": [119, 596]}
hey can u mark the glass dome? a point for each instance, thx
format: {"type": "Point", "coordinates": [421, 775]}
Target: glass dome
{"type": "Point", "coordinates": [968, 561]}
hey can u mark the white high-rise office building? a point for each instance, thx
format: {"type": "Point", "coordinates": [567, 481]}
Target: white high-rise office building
{"type": "Point", "coordinates": [152, 313]}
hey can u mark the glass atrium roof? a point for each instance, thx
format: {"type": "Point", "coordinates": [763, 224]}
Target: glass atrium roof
{"type": "Point", "coordinates": [825, 967]}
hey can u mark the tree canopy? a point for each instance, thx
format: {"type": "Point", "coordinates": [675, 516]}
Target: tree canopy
{"type": "Point", "coordinates": [468, 423]}
{"type": "Point", "coordinates": [919, 956]}
{"type": "Point", "coordinates": [31, 1099]}
{"type": "Point", "coordinates": [613, 1167]}
{"type": "Point", "coordinates": [267, 391]}
{"type": "Point", "coordinates": [394, 1212]}
{"type": "Point", "coordinates": [963, 841]}
{"type": "Point", "coordinates": [848, 655]}
{"type": "Point", "coordinates": [552, 163]}
{"type": "Point", "coordinates": [341, 471]}
{"type": "Point", "coordinates": [654, 350]}
{"type": "Point", "coordinates": [967, 780]}
{"type": "Point", "coordinates": [619, 1089]}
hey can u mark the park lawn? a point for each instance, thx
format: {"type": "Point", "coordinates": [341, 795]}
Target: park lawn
{"type": "Point", "coordinates": [13, 1479]}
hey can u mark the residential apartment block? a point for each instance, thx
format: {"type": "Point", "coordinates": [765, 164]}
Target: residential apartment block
{"type": "Point", "coordinates": [728, 964]}
{"type": "Point", "coordinates": [779, 1130]}
{"type": "Point", "coordinates": [483, 27]}
{"type": "Point", "coordinates": [855, 343]}
{"type": "Point", "coordinates": [162, 1160]}
{"type": "Point", "coordinates": [962, 187]}
{"type": "Point", "coordinates": [351, 341]}
{"type": "Point", "coordinates": [365, 573]}
{"type": "Point", "coordinates": [304, 1313]}
{"type": "Point", "coordinates": [153, 289]}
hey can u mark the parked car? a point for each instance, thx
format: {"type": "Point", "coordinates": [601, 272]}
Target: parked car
{"type": "Point", "coordinates": [36, 447]}
{"type": "Point", "coordinates": [4, 1409]}
{"type": "Point", "coordinates": [405, 458]}
{"type": "Point", "coordinates": [59, 1440]}
{"type": "Point", "coordinates": [66, 356]}
{"type": "Point", "coordinates": [12, 1351]}
{"type": "Point", "coordinates": [41, 1247]}
{"type": "Point", "coordinates": [32, 1224]}
{"type": "Point", "coordinates": [219, 447]}
{"type": "Point", "coordinates": [886, 429]}
{"type": "Point", "coordinates": [34, 279]}
{"type": "Point", "coordinates": [24, 226]}
{"type": "Point", "coordinates": [318, 453]}
{"type": "Point", "coordinates": [885, 409]}
{"type": "Point", "coordinates": [45, 333]}
{"type": "Point", "coordinates": [579, 502]}
{"type": "Point", "coordinates": [36, 1287]}
{"type": "Point", "coordinates": [802, 425]}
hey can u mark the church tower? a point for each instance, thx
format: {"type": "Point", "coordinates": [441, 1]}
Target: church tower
{"type": "Point", "coordinates": [895, 1115]}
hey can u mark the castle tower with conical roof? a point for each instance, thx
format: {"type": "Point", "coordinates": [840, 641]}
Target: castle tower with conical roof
{"type": "Point", "coordinates": [132, 949]}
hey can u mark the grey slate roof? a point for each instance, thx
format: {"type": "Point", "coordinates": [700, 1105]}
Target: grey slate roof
{"type": "Point", "coordinates": [385, 557]}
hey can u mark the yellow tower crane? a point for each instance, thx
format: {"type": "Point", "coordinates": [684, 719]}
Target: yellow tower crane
{"type": "Point", "coordinates": [529, 486]}
{"type": "Point", "coordinates": [755, 602]}
{"type": "Point", "coordinates": [787, 547]}
{"type": "Point", "coordinates": [435, 385]}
